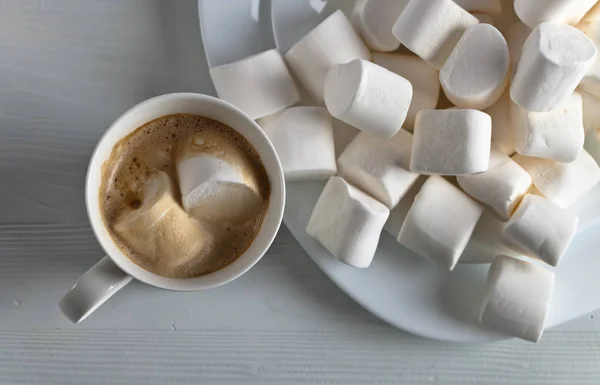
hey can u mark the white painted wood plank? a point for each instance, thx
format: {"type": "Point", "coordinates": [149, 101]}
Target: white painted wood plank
{"type": "Point", "coordinates": [266, 357]}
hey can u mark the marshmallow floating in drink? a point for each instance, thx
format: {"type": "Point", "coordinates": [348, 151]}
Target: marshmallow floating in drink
{"type": "Point", "coordinates": [440, 222]}
{"type": "Point", "coordinates": [557, 134]}
{"type": "Point", "coordinates": [374, 20]}
{"type": "Point", "coordinates": [451, 142]}
{"type": "Point", "coordinates": [332, 42]}
{"type": "Point", "coordinates": [476, 73]}
{"type": "Point", "coordinates": [517, 298]}
{"type": "Point", "coordinates": [303, 138]}
{"type": "Point", "coordinates": [259, 85]}
{"type": "Point", "coordinates": [541, 229]}
{"type": "Point", "coordinates": [424, 79]}
{"type": "Point", "coordinates": [534, 12]}
{"type": "Point", "coordinates": [368, 97]}
{"type": "Point", "coordinates": [502, 186]}
{"type": "Point", "coordinates": [553, 61]}
{"type": "Point", "coordinates": [159, 228]}
{"type": "Point", "coordinates": [212, 187]}
{"type": "Point", "coordinates": [379, 167]}
{"type": "Point", "coordinates": [347, 222]}
{"type": "Point", "coordinates": [431, 28]}
{"type": "Point", "coordinates": [562, 183]}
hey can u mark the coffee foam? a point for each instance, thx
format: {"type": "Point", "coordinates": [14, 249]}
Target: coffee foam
{"type": "Point", "coordinates": [158, 146]}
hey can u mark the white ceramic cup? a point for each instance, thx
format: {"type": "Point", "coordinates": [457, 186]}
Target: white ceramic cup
{"type": "Point", "coordinates": [115, 270]}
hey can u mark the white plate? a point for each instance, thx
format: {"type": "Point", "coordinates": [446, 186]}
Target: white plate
{"type": "Point", "coordinates": [399, 287]}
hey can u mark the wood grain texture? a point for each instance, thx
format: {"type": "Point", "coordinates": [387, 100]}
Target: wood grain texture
{"type": "Point", "coordinates": [68, 68]}
{"type": "Point", "coordinates": [262, 357]}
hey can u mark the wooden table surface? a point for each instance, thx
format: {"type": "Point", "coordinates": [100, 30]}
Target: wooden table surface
{"type": "Point", "coordinates": [68, 68]}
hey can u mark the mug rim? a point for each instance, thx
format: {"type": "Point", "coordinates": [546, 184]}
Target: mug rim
{"type": "Point", "coordinates": [237, 268]}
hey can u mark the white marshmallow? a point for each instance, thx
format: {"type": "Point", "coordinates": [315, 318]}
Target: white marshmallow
{"type": "Point", "coordinates": [332, 42]}
{"type": "Point", "coordinates": [476, 73]}
{"type": "Point", "coordinates": [368, 97]}
{"type": "Point", "coordinates": [159, 228]}
{"type": "Point", "coordinates": [502, 186]}
{"type": "Point", "coordinates": [517, 298]}
{"type": "Point", "coordinates": [425, 81]}
{"type": "Point", "coordinates": [215, 189]}
{"type": "Point", "coordinates": [347, 222]}
{"type": "Point", "coordinates": [431, 28]}
{"type": "Point", "coordinates": [554, 59]}
{"type": "Point", "coordinates": [303, 139]}
{"type": "Point", "coordinates": [541, 229]}
{"type": "Point", "coordinates": [591, 80]}
{"type": "Point", "coordinates": [440, 222]}
{"type": "Point", "coordinates": [490, 7]}
{"type": "Point", "coordinates": [516, 35]}
{"type": "Point", "coordinates": [562, 183]}
{"type": "Point", "coordinates": [557, 134]}
{"type": "Point", "coordinates": [451, 142]}
{"type": "Point", "coordinates": [399, 213]}
{"type": "Point", "coordinates": [486, 241]}
{"type": "Point", "coordinates": [483, 18]}
{"type": "Point", "coordinates": [534, 12]}
{"type": "Point", "coordinates": [259, 85]}
{"type": "Point", "coordinates": [591, 111]}
{"type": "Point", "coordinates": [374, 20]}
{"type": "Point", "coordinates": [379, 167]}
{"type": "Point", "coordinates": [502, 130]}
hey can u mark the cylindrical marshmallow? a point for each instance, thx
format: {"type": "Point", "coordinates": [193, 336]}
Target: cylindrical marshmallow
{"type": "Point", "coordinates": [303, 139]}
{"type": "Point", "coordinates": [159, 228]}
{"type": "Point", "coordinates": [347, 222]}
{"type": "Point", "coordinates": [562, 183]}
{"type": "Point", "coordinates": [476, 73]}
{"type": "Point", "coordinates": [490, 7]}
{"type": "Point", "coordinates": [374, 20]}
{"type": "Point", "coordinates": [591, 80]}
{"type": "Point", "coordinates": [517, 298]}
{"type": "Point", "coordinates": [555, 58]}
{"type": "Point", "coordinates": [440, 222]}
{"type": "Point", "coordinates": [502, 130]}
{"type": "Point", "coordinates": [379, 167]}
{"type": "Point", "coordinates": [259, 85]}
{"type": "Point", "coordinates": [557, 134]}
{"type": "Point", "coordinates": [591, 111]}
{"type": "Point", "coordinates": [541, 229]}
{"type": "Point", "coordinates": [332, 42]}
{"type": "Point", "coordinates": [368, 97]}
{"type": "Point", "coordinates": [502, 186]}
{"type": "Point", "coordinates": [534, 12]}
{"type": "Point", "coordinates": [451, 142]}
{"type": "Point", "coordinates": [516, 35]}
{"type": "Point", "coordinates": [425, 81]}
{"type": "Point", "coordinates": [431, 28]}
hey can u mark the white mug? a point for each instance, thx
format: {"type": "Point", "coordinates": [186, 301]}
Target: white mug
{"type": "Point", "coordinates": [115, 270]}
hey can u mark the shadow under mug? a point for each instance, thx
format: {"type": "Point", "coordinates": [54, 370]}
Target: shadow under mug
{"type": "Point", "coordinates": [115, 270]}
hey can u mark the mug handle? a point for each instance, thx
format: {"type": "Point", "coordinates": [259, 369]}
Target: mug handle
{"type": "Point", "coordinates": [90, 291]}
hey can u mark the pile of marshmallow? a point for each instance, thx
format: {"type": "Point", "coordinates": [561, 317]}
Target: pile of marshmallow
{"type": "Point", "coordinates": [493, 173]}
